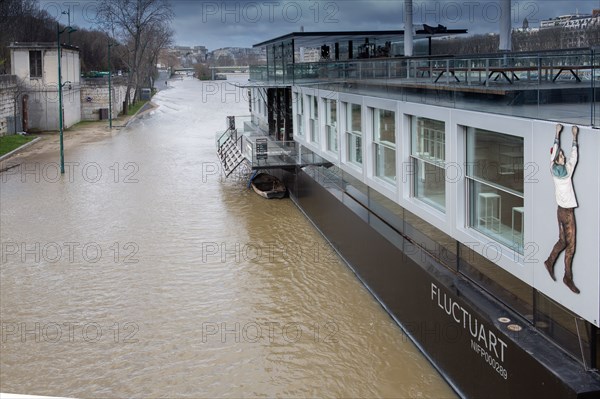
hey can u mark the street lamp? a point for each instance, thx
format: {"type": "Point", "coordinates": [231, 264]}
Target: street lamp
{"type": "Point", "coordinates": [68, 12]}
{"type": "Point", "coordinates": [109, 86]}
{"type": "Point", "coordinates": [68, 29]}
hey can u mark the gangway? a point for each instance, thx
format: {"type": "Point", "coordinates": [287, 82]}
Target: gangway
{"type": "Point", "coordinates": [257, 149]}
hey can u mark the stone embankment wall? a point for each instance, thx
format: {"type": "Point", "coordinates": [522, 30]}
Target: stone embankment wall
{"type": "Point", "coordinates": [94, 97]}
{"type": "Point", "coordinates": [8, 90]}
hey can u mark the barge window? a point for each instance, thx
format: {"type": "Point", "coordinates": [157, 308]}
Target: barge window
{"type": "Point", "coordinates": [495, 186]}
{"type": "Point", "coordinates": [300, 113]}
{"type": "Point", "coordinates": [354, 133]}
{"type": "Point", "coordinates": [331, 124]}
{"type": "Point", "coordinates": [314, 119]}
{"type": "Point", "coordinates": [384, 141]}
{"type": "Point", "coordinates": [428, 158]}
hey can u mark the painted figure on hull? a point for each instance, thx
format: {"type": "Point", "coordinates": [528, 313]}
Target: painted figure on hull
{"type": "Point", "coordinates": [562, 173]}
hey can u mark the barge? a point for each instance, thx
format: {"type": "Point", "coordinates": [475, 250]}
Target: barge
{"type": "Point", "coordinates": [432, 177]}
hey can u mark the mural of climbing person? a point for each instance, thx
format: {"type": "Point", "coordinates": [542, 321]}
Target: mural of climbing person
{"type": "Point", "coordinates": [562, 173]}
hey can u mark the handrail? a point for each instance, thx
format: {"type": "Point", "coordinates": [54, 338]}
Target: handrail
{"type": "Point", "coordinates": [297, 70]}
{"type": "Point", "coordinates": [498, 83]}
{"type": "Point", "coordinates": [219, 144]}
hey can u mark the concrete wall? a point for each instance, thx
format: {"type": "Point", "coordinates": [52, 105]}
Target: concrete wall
{"type": "Point", "coordinates": [8, 89]}
{"type": "Point", "coordinates": [43, 108]}
{"type": "Point", "coordinates": [94, 96]}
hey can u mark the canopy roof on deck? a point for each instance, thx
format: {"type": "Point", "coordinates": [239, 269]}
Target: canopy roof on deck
{"type": "Point", "coordinates": [316, 39]}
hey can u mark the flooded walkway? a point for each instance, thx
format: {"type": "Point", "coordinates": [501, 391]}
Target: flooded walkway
{"type": "Point", "coordinates": [142, 273]}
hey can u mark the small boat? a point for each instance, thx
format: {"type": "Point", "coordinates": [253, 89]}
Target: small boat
{"type": "Point", "coordinates": [268, 186]}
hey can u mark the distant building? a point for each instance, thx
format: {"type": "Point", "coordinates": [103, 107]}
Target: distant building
{"type": "Point", "coordinates": [188, 55]}
{"type": "Point", "coordinates": [36, 66]}
{"type": "Point", "coordinates": [574, 27]}
{"type": "Point", "coordinates": [572, 21]}
{"type": "Point", "coordinates": [526, 28]}
{"type": "Point", "coordinates": [239, 55]}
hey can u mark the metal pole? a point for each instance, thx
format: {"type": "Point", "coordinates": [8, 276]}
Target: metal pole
{"type": "Point", "coordinates": [109, 89]}
{"type": "Point", "coordinates": [60, 110]}
{"type": "Point", "coordinates": [408, 28]}
{"type": "Point", "coordinates": [69, 17]}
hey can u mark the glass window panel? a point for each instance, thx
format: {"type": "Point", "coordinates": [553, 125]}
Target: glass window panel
{"type": "Point", "coordinates": [331, 118]}
{"type": "Point", "coordinates": [496, 158]}
{"type": "Point", "coordinates": [300, 114]}
{"type": "Point", "coordinates": [429, 184]}
{"type": "Point", "coordinates": [384, 136]}
{"type": "Point", "coordinates": [385, 126]}
{"type": "Point", "coordinates": [385, 163]}
{"type": "Point", "coordinates": [35, 64]}
{"type": "Point", "coordinates": [497, 213]}
{"type": "Point", "coordinates": [331, 109]}
{"type": "Point", "coordinates": [314, 119]}
{"type": "Point", "coordinates": [314, 130]}
{"type": "Point", "coordinates": [300, 123]}
{"type": "Point", "coordinates": [354, 133]}
{"type": "Point", "coordinates": [495, 183]}
{"type": "Point", "coordinates": [428, 139]}
{"type": "Point", "coordinates": [354, 122]}
{"type": "Point", "coordinates": [428, 150]}
{"type": "Point", "coordinates": [354, 148]}
{"type": "Point", "coordinates": [332, 142]}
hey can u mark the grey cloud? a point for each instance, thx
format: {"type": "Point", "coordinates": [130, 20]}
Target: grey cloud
{"type": "Point", "coordinates": [243, 23]}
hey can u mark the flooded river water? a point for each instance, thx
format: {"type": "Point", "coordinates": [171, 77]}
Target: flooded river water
{"type": "Point", "coordinates": [143, 273]}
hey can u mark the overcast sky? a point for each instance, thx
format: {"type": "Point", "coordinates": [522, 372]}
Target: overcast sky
{"type": "Point", "coordinates": [242, 23]}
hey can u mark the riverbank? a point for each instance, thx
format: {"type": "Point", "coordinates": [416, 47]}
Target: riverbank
{"type": "Point", "coordinates": [83, 132]}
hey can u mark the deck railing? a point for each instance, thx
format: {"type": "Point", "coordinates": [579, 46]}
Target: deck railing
{"type": "Point", "coordinates": [529, 85]}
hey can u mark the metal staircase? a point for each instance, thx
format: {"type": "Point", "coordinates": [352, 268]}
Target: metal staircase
{"type": "Point", "coordinates": [228, 148]}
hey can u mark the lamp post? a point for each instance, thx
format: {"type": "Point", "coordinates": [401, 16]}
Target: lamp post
{"type": "Point", "coordinates": [68, 12]}
{"type": "Point", "coordinates": [60, 86]}
{"type": "Point", "coordinates": [109, 85]}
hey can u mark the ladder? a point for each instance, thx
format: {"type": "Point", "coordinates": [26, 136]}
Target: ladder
{"type": "Point", "coordinates": [230, 154]}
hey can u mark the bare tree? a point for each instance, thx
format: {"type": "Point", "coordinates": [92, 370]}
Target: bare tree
{"type": "Point", "coordinates": [131, 20]}
{"type": "Point", "coordinates": [202, 71]}
{"type": "Point", "coordinates": [155, 39]}
{"type": "Point", "coordinates": [14, 16]}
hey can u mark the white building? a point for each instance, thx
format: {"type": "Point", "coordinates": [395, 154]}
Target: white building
{"type": "Point", "coordinates": [575, 28]}
{"type": "Point", "coordinates": [576, 21]}
{"type": "Point", "coordinates": [36, 66]}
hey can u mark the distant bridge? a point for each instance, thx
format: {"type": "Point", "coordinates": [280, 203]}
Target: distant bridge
{"type": "Point", "coordinates": [215, 69]}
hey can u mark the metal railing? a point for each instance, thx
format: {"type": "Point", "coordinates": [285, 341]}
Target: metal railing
{"type": "Point", "coordinates": [241, 125]}
{"type": "Point", "coordinates": [278, 153]}
{"type": "Point", "coordinates": [528, 84]}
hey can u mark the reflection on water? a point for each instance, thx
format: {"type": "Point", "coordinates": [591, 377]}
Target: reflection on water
{"type": "Point", "coordinates": [143, 273]}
